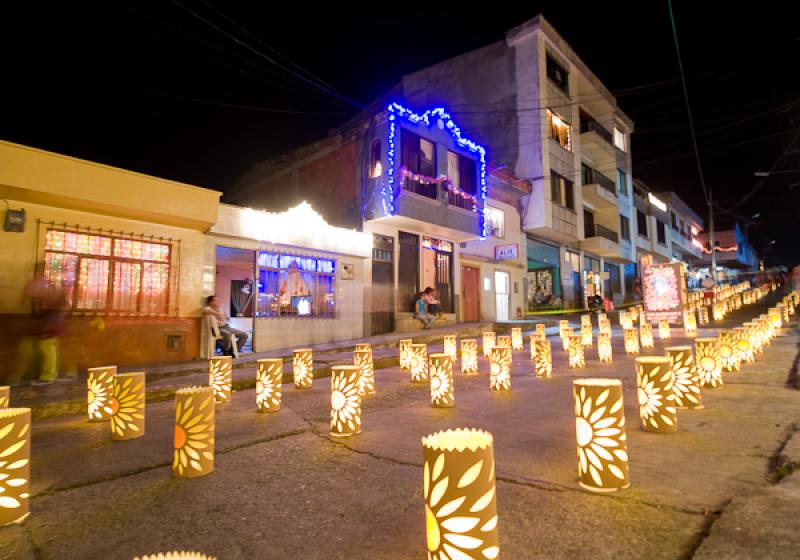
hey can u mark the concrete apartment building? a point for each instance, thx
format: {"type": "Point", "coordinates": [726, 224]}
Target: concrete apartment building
{"type": "Point", "coordinates": [546, 118]}
{"type": "Point", "coordinates": [685, 226]}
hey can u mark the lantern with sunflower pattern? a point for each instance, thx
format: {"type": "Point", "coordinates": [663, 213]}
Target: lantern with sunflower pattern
{"type": "Point", "coordinates": [194, 432]}
{"type": "Point", "coordinates": [127, 405]}
{"type": "Point", "coordinates": [708, 362]}
{"type": "Point", "coordinates": [405, 354]}
{"type": "Point", "coordinates": [631, 339]}
{"type": "Point", "coordinates": [450, 346]}
{"type": "Point", "coordinates": [564, 329]}
{"type": "Point", "coordinates": [541, 330]}
{"type": "Point", "coordinates": [500, 369]}
{"type": "Point", "coordinates": [504, 341]}
{"type": "Point", "coordinates": [419, 363]}
{"type": "Point", "coordinates": [664, 330]}
{"type": "Point", "coordinates": [469, 356]}
{"type": "Point", "coordinates": [220, 377]}
{"type": "Point", "coordinates": [488, 341]}
{"type": "Point", "coordinates": [587, 335]}
{"type": "Point", "coordinates": [517, 342]}
{"type": "Point", "coordinates": [646, 334]}
{"type": "Point", "coordinates": [702, 315]}
{"type": "Point", "coordinates": [687, 386]}
{"type": "Point", "coordinates": [99, 386]}
{"type": "Point", "coordinates": [269, 384]}
{"type": "Point", "coordinates": [5, 396]}
{"type": "Point", "coordinates": [366, 381]}
{"type": "Point", "coordinates": [743, 347]}
{"type": "Point", "coordinates": [345, 401]}
{"type": "Point", "coordinates": [303, 368]}
{"type": "Point", "coordinates": [727, 351]}
{"type": "Point", "coordinates": [576, 354]}
{"type": "Point", "coordinates": [655, 382]}
{"type": "Point", "coordinates": [604, 348]}
{"type": "Point", "coordinates": [689, 324]}
{"type": "Point", "coordinates": [542, 358]}
{"type": "Point", "coordinates": [565, 339]}
{"type": "Point", "coordinates": [15, 467]}
{"type": "Point", "coordinates": [441, 374]}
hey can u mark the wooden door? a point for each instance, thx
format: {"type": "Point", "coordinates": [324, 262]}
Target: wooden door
{"type": "Point", "coordinates": [382, 300]}
{"type": "Point", "coordinates": [470, 298]}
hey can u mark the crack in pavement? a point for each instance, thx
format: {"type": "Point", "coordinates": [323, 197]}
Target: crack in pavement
{"type": "Point", "coordinates": [37, 552]}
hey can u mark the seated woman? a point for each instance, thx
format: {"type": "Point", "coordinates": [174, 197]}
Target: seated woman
{"type": "Point", "coordinates": [421, 311]}
{"type": "Point", "coordinates": [434, 305]}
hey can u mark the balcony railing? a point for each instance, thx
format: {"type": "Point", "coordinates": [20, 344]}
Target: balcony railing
{"type": "Point", "coordinates": [431, 190]}
{"type": "Point", "coordinates": [592, 176]}
{"type": "Point", "coordinates": [589, 125]}
{"type": "Point", "coordinates": [600, 231]}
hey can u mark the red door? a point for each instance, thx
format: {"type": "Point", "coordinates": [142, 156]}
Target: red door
{"type": "Point", "coordinates": [470, 298]}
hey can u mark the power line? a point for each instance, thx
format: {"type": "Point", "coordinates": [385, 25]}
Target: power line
{"type": "Point", "coordinates": [245, 107]}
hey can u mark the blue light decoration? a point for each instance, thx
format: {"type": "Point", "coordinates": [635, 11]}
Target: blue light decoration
{"type": "Point", "coordinates": [442, 119]}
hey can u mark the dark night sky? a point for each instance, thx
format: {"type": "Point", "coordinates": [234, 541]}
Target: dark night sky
{"type": "Point", "coordinates": [151, 87]}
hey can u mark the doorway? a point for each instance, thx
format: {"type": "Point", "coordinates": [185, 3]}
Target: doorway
{"type": "Point", "coordinates": [470, 298]}
{"type": "Point", "coordinates": [235, 289]}
{"type": "Point", "coordinates": [502, 295]}
{"type": "Point", "coordinates": [382, 300]}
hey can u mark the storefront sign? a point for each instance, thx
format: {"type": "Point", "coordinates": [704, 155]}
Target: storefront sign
{"type": "Point", "coordinates": [506, 252]}
{"type": "Point", "coordinates": [664, 288]}
{"type": "Point", "coordinates": [437, 244]}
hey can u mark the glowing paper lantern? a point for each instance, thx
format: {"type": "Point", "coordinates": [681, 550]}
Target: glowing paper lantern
{"type": "Point", "coordinates": [743, 346]}
{"type": "Point", "coordinates": [405, 354]}
{"type": "Point", "coordinates": [366, 381]}
{"type": "Point", "coordinates": [489, 340]}
{"type": "Point", "coordinates": [727, 351]}
{"type": "Point", "coordinates": [517, 342]}
{"type": "Point", "coordinates": [687, 386]}
{"type": "Point", "coordinates": [469, 356]}
{"type": "Point", "coordinates": [631, 338]}
{"type": "Point", "coordinates": [689, 324]}
{"type": "Point", "coordinates": [586, 335]}
{"type": "Point", "coordinates": [586, 319]}
{"type": "Point", "coordinates": [565, 339]}
{"type": "Point", "coordinates": [176, 555]}
{"type": "Point", "coordinates": [604, 348]}
{"type": "Point", "coordinates": [646, 335]}
{"type": "Point", "coordinates": [563, 328]}
{"type": "Point", "coordinates": [127, 404]}
{"type": "Point", "coordinates": [600, 434]}
{"type": "Point", "coordinates": [708, 361]}
{"type": "Point", "coordinates": [194, 432]}
{"type": "Point", "coordinates": [450, 346]}
{"type": "Point", "coordinates": [419, 363]}
{"type": "Point", "coordinates": [541, 330]}
{"type": "Point", "coordinates": [441, 374]}
{"type": "Point", "coordinates": [15, 468]}
{"type": "Point", "coordinates": [99, 386]}
{"type": "Point", "coordinates": [664, 330]}
{"type": "Point", "coordinates": [625, 320]}
{"type": "Point", "coordinates": [717, 312]}
{"type": "Point", "coordinates": [500, 372]}
{"type": "Point", "coordinates": [345, 401]}
{"type": "Point", "coordinates": [784, 312]}
{"type": "Point", "coordinates": [303, 368]}
{"type": "Point", "coordinates": [776, 321]}
{"type": "Point", "coordinates": [654, 382]}
{"type": "Point", "coordinates": [269, 383]}
{"type": "Point", "coordinates": [576, 355]}
{"type": "Point", "coordinates": [633, 313]}
{"type": "Point", "coordinates": [5, 396]}
{"type": "Point", "coordinates": [504, 341]}
{"type": "Point", "coordinates": [702, 315]}
{"type": "Point", "coordinates": [220, 377]}
{"type": "Point", "coordinates": [459, 491]}
{"type": "Point", "coordinates": [542, 358]}
{"type": "Point", "coordinates": [604, 326]}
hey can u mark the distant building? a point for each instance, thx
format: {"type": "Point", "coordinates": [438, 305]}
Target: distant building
{"type": "Point", "coordinates": [734, 254]}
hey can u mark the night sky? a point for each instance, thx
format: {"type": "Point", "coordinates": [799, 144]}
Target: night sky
{"type": "Point", "coordinates": [198, 91]}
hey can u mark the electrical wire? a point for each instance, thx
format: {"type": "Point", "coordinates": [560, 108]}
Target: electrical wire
{"type": "Point", "coordinates": [245, 107]}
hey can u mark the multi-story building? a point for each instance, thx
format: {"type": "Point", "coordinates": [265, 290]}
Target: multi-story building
{"type": "Point", "coordinates": [735, 256]}
{"type": "Point", "coordinates": [685, 226]}
{"type": "Point", "coordinates": [548, 119]}
{"type": "Point", "coordinates": [652, 238]}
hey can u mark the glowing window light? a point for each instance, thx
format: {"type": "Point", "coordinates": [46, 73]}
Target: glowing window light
{"type": "Point", "coordinates": [419, 363]}
{"type": "Point", "coordinates": [303, 368]}
{"type": "Point", "coordinates": [600, 435]}
{"type": "Point", "coordinates": [604, 348]}
{"type": "Point", "coordinates": [516, 339]}
{"type": "Point", "coordinates": [542, 357]}
{"type": "Point", "coordinates": [405, 354]}
{"type": "Point", "coordinates": [586, 335]}
{"type": "Point", "coordinates": [664, 330]}
{"type": "Point", "coordinates": [646, 335]}
{"type": "Point", "coordinates": [702, 315]}
{"type": "Point", "coordinates": [127, 404]}
{"type": "Point", "coordinates": [438, 117]}
{"type": "Point", "coordinates": [708, 361]}
{"type": "Point", "coordinates": [566, 335]}
{"type": "Point", "coordinates": [631, 338]}
{"type": "Point", "coordinates": [220, 377]}
{"type": "Point", "coordinates": [459, 491]}
{"type": "Point", "coordinates": [727, 351]}
{"type": "Point", "coordinates": [687, 387]}
{"type": "Point", "coordinates": [5, 396]}
{"type": "Point", "coordinates": [689, 324]}
{"type": "Point", "coordinates": [269, 384]}
{"type": "Point", "coordinates": [176, 555]}
{"type": "Point", "coordinates": [489, 340]}
{"type": "Point", "coordinates": [450, 346]}
{"type": "Point", "coordinates": [500, 369]}
{"type": "Point", "coordinates": [99, 386]}
{"type": "Point", "coordinates": [575, 352]}
{"type": "Point", "coordinates": [15, 468]}
{"type": "Point", "coordinates": [441, 375]}
{"type": "Point", "coordinates": [469, 356]}
{"type": "Point", "coordinates": [655, 383]}
{"type": "Point", "coordinates": [194, 432]}
{"type": "Point", "coordinates": [504, 341]}
{"type": "Point", "coordinates": [362, 359]}
{"type": "Point", "coordinates": [345, 401]}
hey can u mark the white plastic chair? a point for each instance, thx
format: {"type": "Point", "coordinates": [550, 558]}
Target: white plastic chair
{"type": "Point", "coordinates": [212, 335]}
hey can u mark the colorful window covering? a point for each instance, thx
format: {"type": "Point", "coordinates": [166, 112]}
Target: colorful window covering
{"type": "Point", "coordinates": [104, 273]}
{"type": "Point", "coordinates": [295, 286]}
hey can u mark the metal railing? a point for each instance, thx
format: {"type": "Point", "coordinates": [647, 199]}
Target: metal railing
{"type": "Point", "coordinates": [588, 125]}
{"type": "Point", "coordinates": [592, 176]}
{"type": "Point", "coordinates": [600, 231]}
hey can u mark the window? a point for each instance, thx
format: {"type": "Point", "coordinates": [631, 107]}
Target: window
{"type": "Point", "coordinates": [453, 169]}
{"type": "Point", "coordinates": [295, 286]}
{"type": "Point", "coordinates": [375, 164]}
{"type": "Point", "coordinates": [674, 220]}
{"type": "Point", "coordinates": [624, 227]}
{"type": "Point", "coordinates": [619, 139]}
{"type": "Point", "coordinates": [661, 232]}
{"type": "Point", "coordinates": [574, 260]}
{"type": "Point", "coordinates": [463, 172]}
{"type": "Point", "coordinates": [684, 229]}
{"type": "Point", "coordinates": [557, 74]}
{"type": "Point", "coordinates": [641, 224]}
{"type": "Point", "coordinates": [622, 182]}
{"type": "Point", "coordinates": [109, 274]}
{"type": "Point", "coordinates": [418, 156]}
{"type": "Point", "coordinates": [561, 191]}
{"type": "Point", "coordinates": [495, 222]}
{"type": "Point", "coordinates": [559, 130]}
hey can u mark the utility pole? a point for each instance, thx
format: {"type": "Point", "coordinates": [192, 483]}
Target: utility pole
{"type": "Point", "coordinates": [711, 241]}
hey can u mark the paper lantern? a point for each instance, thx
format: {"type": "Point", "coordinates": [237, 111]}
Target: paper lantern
{"type": "Point", "coordinates": [586, 319]}
{"type": "Point", "coordinates": [586, 335]}
{"type": "Point", "coordinates": [542, 358]}
{"type": "Point", "coordinates": [441, 374]}
{"type": "Point", "coordinates": [489, 340]}
{"type": "Point", "coordinates": [604, 326]}
{"type": "Point", "coordinates": [776, 321]}
{"type": "Point", "coordinates": [604, 348]}
{"type": "Point", "coordinates": [727, 351]}
{"type": "Point", "coordinates": [504, 341]}
{"type": "Point", "coordinates": [601, 317]}
{"type": "Point", "coordinates": [687, 386]}
{"type": "Point", "coordinates": [363, 346]}
{"type": "Point", "coordinates": [500, 372]}
{"type": "Point", "coordinates": [541, 330]}
{"type": "Point", "coordinates": [689, 324]}
{"type": "Point", "coordinates": [450, 346]}
{"type": "Point", "coordinates": [469, 356]}
{"type": "Point", "coordinates": [15, 468]}
{"type": "Point", "coordinates": [176, 555]}
{"type": "Point", "coordinates": [625, 320]}
{"type": "Point", "coordinates": [459, 491]}
{"type": "Point", "coordinates": [366, 380]}
{"type": "Point", "coordinates": [303, 368]}
{"type": "Point", "coordinates": [702, 315]}
{"type": "Point", "coordinates": [576, 355]}
{"type": "Point", "coordinates": [194, 432]}
{"type": "Point", "coordinates": [99, 386]}
{"type": "Point", "coordinates": [646, 335]}
{"type": "Point", "coordinates": [600, 434]}
{"type": "Point", "coordinates": [127, 405]}
{"type": "Point", "coordinates": [633, 313]}
{"type": "Point", "coordinates": [517, 342]}
{"type": "Point", "coordinates": [345, 401]}
{"type": "Point", "coordinates": [654, 383]}
{"type": "Point", "coordinates": [5, 396]}
{"type": "Point", "coordinates": [784, 307]}
{"type": "Point", "coordinates": [631, 338]}
{"type": "Point", "coordinates": [220, 377]}
{"type": "Point", "coordinates": [419, 363]}
{"type": "Point", "coordinates": [405, 354]}
{"type": "Point", "coordinates": [743, 346]}
{"type": "Point", "coordinates": [563, 328]}
{"type": "Point", "coordinates": [565, 339]}
{"type": "Point", "coordinates": [717, 312]}
{"type": "Point", "coordinates": [269, 384]}
{"type": "Point", "coordinates": [708, 362]}
{"type": "Point", "coordinates": [664, 330]}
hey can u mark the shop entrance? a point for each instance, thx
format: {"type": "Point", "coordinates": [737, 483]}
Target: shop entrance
{"type": "Point", "coordinates": [502, 295]}
{"type": "Point", "coordinates": [235, 289]}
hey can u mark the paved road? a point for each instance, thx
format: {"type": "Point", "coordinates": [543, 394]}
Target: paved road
{"type": "Point", "coordinates": [283, 489]}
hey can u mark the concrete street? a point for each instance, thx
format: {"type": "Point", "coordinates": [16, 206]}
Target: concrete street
{"type": "Point", "coordinates": [283, 489]}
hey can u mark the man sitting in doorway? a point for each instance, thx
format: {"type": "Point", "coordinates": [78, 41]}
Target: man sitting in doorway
{"type": "Point", "coordinates": [212, 308]}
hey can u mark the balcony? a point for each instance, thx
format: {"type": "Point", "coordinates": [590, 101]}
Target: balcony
{"type": "Point", "coordinates": [598, 190]}
{"type": "Point", "coordinates": [602, 241]}
{"type": "Point", "coordinates": [596, 141]}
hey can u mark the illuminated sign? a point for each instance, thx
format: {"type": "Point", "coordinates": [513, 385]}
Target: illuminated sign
{"type": "Point", "coordinates": [506, 252]}
{"type": "Point", "coordinates": [664, 288]}
{"type": "Point", "coordinates": [656, 202]}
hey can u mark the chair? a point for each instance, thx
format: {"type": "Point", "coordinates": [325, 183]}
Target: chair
{"type": "Point", "coordinates": [211, 337]}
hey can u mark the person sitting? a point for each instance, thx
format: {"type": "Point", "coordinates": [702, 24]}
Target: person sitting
{"type": "Point", "coordinates": [225, 330]}
{"type": "Point", "coordinates": [421, 311]}
{"type": "Point", "coordinates": [434, 305]}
